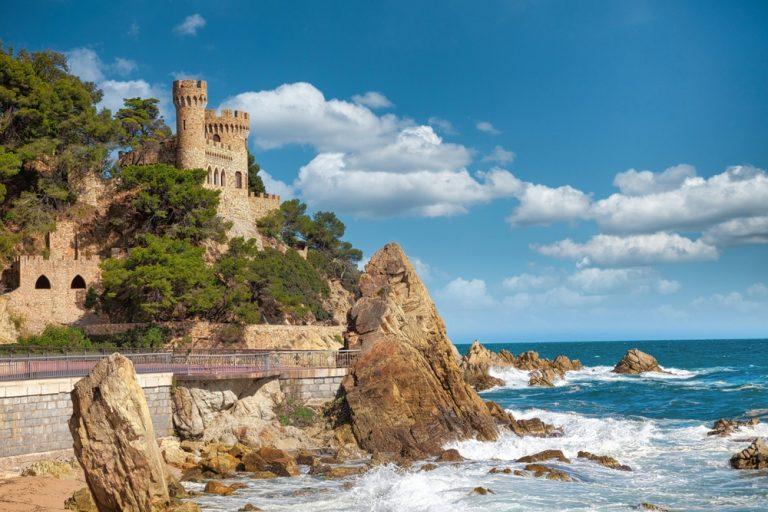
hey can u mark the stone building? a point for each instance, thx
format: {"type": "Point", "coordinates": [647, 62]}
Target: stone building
{"type": "Point", "coordinates": [219, 144]}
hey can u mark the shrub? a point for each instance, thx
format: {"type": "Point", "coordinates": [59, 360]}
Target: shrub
{"type": "Point", "coordinates": [59, 337]}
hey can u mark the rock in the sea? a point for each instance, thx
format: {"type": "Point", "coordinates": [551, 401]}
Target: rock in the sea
{"type": "Point", "coordinates": [541, 471]}
{"type": "Point", "coordinates": [482, 491]}
{"type": "Point", "coordinates": [636, 361]}
{"type": "Point", "coordinates": [214, 487]}
{"type": "Point", "coordinates": [531, 427]}
{"type": "Point", "coordinates": [604, 460]}
{"type": "Point", "coordinates": [406, 392]}
{"type": "Point", "coordinates": [755, 456]}
{"type": "Point", "coordinates": [651, 506]}
{"type": "Point", "coordinates": [545, 455]}
{"type": "Point", "coordinates": [475, 365]}
{"type": "Point", "coordinates": [114, 439]}
{"type": "Point", "coordinates": [545, 377]}
{"type": "Point", "coordinates": [725, 427]}
{"type": "Point", "coordinates": [451, 455]}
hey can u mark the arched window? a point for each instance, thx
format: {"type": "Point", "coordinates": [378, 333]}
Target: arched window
{"type": "Point", "coordinates": [42, 283]}
{"type": "Point", "coordinates": [216, 138]}
{"type": "Point", "coordinates": [216, 177]}
{"type": "Point", "coordinates": [239, 179]}
{"type": "Point", "coordinates": [209, 176]}
{"type": "Point", "coordinates": [223, 182]}
{"type": "Point", "coordinates": [78, 283]}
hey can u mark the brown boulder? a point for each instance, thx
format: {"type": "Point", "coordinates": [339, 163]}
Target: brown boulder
{"type": "Point", "coordinates": [451, 455]}
{"type": "Point", "coordinates": [214, 487]}
{"type": "Point", "coordinates": [724, 427]}
{"type": "Point", "coordinates": [755, 456]}
{"type": "Point", "coordinates": [545, 455]}
{"type": "Point", "coordinates": [272, 460]}
{"type": "Point", "coordinates": [475, 365]}
{"type": "Point", "coordinates": [221, 463]}
{"type": "Point", "coordinates": [541, 471]}
{"type": "Point", "coordinates": [406, 392]}
{"type": "Point", "coordinates": [635, 362]}
{"type": "Point", "coordinates": [496, 471]}
{"type": "Point", "coordinates": [114, 439]}
{"type": "Point", "coordinates": [604, 460]}
{"type": "Point", "coordinates": [482, 491]}
{"type": "Point", "coordinates": [531, 427]}
{"type": "Point", "coordinates": [329, 471]}
{"type": "Point", "coordinates": [81, 501]}
{"type": "Point", "coordinates": [544, 377]}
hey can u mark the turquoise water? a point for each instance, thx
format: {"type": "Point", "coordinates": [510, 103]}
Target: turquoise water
{"type": "Point", "coordinates": [657, 424]}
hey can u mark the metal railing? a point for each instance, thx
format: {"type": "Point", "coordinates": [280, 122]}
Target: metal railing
{"type": "Point", "coordinates": [19, 366]}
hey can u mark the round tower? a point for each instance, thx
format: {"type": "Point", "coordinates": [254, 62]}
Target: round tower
{"type": "Point", "coordinates": [190, 98]}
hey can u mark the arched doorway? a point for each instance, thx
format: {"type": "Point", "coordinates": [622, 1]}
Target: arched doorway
{"type": "Point", "coordinates": [239, 179]}
{"type": "Point", "coordinates": [216, 137]}
{"type": "Point", "coordinates": [42, 283]}
{"type": "Point", "coordinates": [78, 283]}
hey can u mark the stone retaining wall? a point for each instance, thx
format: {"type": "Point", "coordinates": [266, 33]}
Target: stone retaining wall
{"type": "Point", "coordinates": [320, 388]}
{"type": "Point", "coordinates": [34, 413]}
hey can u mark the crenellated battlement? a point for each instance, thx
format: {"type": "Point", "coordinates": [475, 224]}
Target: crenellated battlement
{"type": "Point", "coordinates": [36, 259]}
{"type": "Point", "coordinates": [190, 93]}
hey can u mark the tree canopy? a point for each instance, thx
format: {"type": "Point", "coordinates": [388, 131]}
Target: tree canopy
{"type": "Point", "coordinates": [141, 123]}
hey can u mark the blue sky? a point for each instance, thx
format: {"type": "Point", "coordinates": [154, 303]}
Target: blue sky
{"type": "Point", "coordinates": [558, 170]}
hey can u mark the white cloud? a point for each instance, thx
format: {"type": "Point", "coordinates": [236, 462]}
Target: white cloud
{"type": "Point", "coordinates": [745, 230]}
{"type": "Point", "coordinates": [668, 287]}
{"type": "Point", "coordinates": [443, 125]}
{"type": "Point", "coordinates": [424, 270]}
{"type": "Point", "coordinates": [559, 297]}
{"type": "Point", "coordinates": [540, 204]}
{"type": "Point", "coordinates": [621, 280]}
{"type": "Point", "coordinates": [372, 99]}
{"type": "Point", "coordinates": [298, 113]}
{"type": "Point", "coordinates": [470, 294]}
{"type": "Point", "coordinates": [85, 64]}
{"type": "Point", "coordinates": [190, 25]}
{"type": "Point", "coordinates": [500, 156]}
{"type": "Point", "coordinates": [758, 290]}
{"type": "Point", "coordinates": [528, 281]}
{"type": "Point", "coordinates": [639, 183]}
{"type": "Point", "coordinates": [124, 66]}
{"type": "Point", "coordinates": [486, 127]}
{"type": "Point", "coordinates": [185, 75]}
{"type": "Point", "coordinates": [275, 186]}
{"type": "Point", "coordinates": [733, 301]}
{"type": "Point", "coordinates": [610, 250]}
{"type": "Point", "coordinates": [115, 91]}
{"type": "Point", "coordinates": [740, 191]}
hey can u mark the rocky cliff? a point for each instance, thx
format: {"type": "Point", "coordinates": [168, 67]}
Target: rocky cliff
{"type": "Point", "coordinates": [406, 393]}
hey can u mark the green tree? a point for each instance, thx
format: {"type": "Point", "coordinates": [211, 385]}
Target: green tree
{"type": "Point", "coordinates": [141, 123]}
{"type": "Point", "coordinates": [255, 183]}
{"type": "Point", "coordinates": [165, 201]}
{"type": "Point", "coordinates": [239, 301]}
{"type": "Point", "coordinates": [163, 279]}
{"type": "Point", "coordinates": [10, 164]}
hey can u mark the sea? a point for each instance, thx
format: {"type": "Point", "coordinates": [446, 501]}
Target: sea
{"type": "Point", "coordinates": [655, 423]}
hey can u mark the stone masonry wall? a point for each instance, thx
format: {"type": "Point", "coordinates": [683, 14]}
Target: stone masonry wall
{"type": "Point", "coordinates": [34, 413]}
{"type": "Point", "coordinates": [314, 390]}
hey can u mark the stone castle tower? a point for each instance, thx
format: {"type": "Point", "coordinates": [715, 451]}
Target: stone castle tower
{"type": "Point", "coordinates": [219, 144]}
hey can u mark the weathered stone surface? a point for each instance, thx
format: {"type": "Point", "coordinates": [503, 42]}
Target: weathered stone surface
{"type": "Point", "coordinates": [545, 455]}
{"type": "Point", "coordinates": [81, 501]}
{"type": "Point", "coordinates": [530, 427]}
{"type": "Point", "coordinates": [332, 471]}
{"type": "Point", "coordinates": [604, 460]}
{"type": "Point", "coordinates": [651, 506]}
{"type": "Point", "coordinates": [725, 427]}
{"type": "Point", "coordinates": [475, 365]}
{"type": "Point", "coordinates": [214, 487]}
{"type": "Point", "coordinates": [636, 361]}
{"type": "Point", "coordinates": [755, 456]}
{"type": "Point", "coordinates": [482, 491]}
{"type": "Point", "coordinates": [52, 468]}
{"type": "Point", "coordinates": [541, 471]}
{"type": "Point", "coordinates": [496, 471]}
{"type": "Point", "coordinates": [114, 439]}
{"type": "Point", "coordinates": [406, 392]}
{"type": "Point", "coordinates": [451, 455]}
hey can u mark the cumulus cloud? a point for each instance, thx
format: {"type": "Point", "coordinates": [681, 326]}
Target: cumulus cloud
{"type": "Point", "coordinates": [124, 66]}
{"type": "Point", "coordinates": [740, 191]}
{"type": "Point", "coordinates": [558, 297]}
{"type": "Point", "coordinates": [423, 269]}
{"type": "Point", "coordinates": [758, 290]}
{"type": "Point", "coordinates": [613, 280]}
{"type": "Point", "coordinates": [115, 91]}
{"type": "Point", "coordinates": [85, 64]}
{"type": "Point", "coordinates": [638, 183]}
{"type": "Point", "coordinates": [500, 156]}
{"type": "Point", "coordinates": [611, 250]}
{"type": "Point", "coordinates": [372, 99]}
{"type": "Point", "coordinates": [467, 293]}
{"type": "Point", "coordinates": [747, 230]}
{"type": "Point", "coordinates": [486, 127]}
{"type": "Point", "coordinates": [732, 301]}
{"type": "Point", "coordinates": [190, 25]}
{"type": "Point", "coordinates": [540, 204]}
{"type": "Point", "coordinates": [443, 125]}
{"type": "Point", "coordinates": [275, 186]}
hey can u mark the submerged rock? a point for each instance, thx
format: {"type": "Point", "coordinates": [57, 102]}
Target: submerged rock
{"type": "Point", "coordinates": [725, 427]}
{"type": "Point", "coordinates": [604, 460]}
{"type": "Point", "coordinates": [114, 439]}
{"type": "Point", "coordinates": [451, 455]}
{"type": "Point", "coordinates": [755, 456]}
{"type": "Point", "coordinates": [636, 361]}
{"type": "Point", "coordinates": [542, 471]}
{"type": "Point", "coordinates": [406, 392]}
{"type": "Point", "coordinates": [651, 506]}
{"type": "Point", "coordinates": [482, 491]}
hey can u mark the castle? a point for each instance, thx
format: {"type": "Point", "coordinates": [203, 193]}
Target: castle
{"type": "Point", "coordinates": [51, 288]}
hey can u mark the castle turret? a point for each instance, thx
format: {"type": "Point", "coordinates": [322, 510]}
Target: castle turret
{"type": "Point", "coordinates": [190, 98]}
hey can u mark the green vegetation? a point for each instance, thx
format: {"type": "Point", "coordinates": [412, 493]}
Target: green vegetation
{"type": "Point", "coordinates": [59, 337]}
{"type": "Point", "coordinates": [141, 123]}
{"type": "Point", "coordinates": [292, 412]}
{"type": "Point", "coordinates": [56, 337]}
{"type": "Point", "coordinates": [165, 201]}
{"type": "Point", "coordinates": [255, 183]}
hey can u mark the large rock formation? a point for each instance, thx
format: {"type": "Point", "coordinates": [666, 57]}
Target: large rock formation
{"type": "Point", "coordinates": [475, 365]}
{"type": "Point", "coordinates": [635, 362]}
{"type": "Point", "coordinates": [114, 439]}
{"type": "Point", "coordinates": [755, 456]}
{"type": "Point", "coordinates": [406, 392]}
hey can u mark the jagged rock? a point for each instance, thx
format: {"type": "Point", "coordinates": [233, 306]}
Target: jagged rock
{"type": "Point", "coordinates": [406, 392]}
{"type": "Point", "coordinates": [451, 455]}
{"type": "Point", "coordinates": [545, 455]}
{"type": "Point", "coordinates": [482, 491]}
{"type": "Point", "coordinates": [545, 377]}
{"type": "Point", "coordinates": [114, 439]}
{"type": "Point", "coordinates": [53, 468]}
{"type": "Point", "coordinates": [306, 457]}
{"type": "Point", "coordinates": [651, 506]}
{"type": "Point", "coordinates": [273, 460]}
{"type": "Point", "coordinates": [428, 467]}
{"type": "Point", "coordinates": [475, 365]}
{"type": "Point", "coordinates": [755, 456]}
{"type": "Point", "coordinates": [531, 427]}
{"type": "Point", "coordinates": [635, 362]}
{"type": "Point", "coordinates": [496, 471]}
{"type": "Point", "coordinates": [81, 501]}
{"type": "Point", "coordinates": [725, 427]}
{"type": "Point", "coordinates": [248, 507]}
{"type": "Point", "coordinates": [604, 460]}
{"type": "Point", "coordinates": [329, 471]}
{"type": "Point", "coordinates": [541, 471]}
